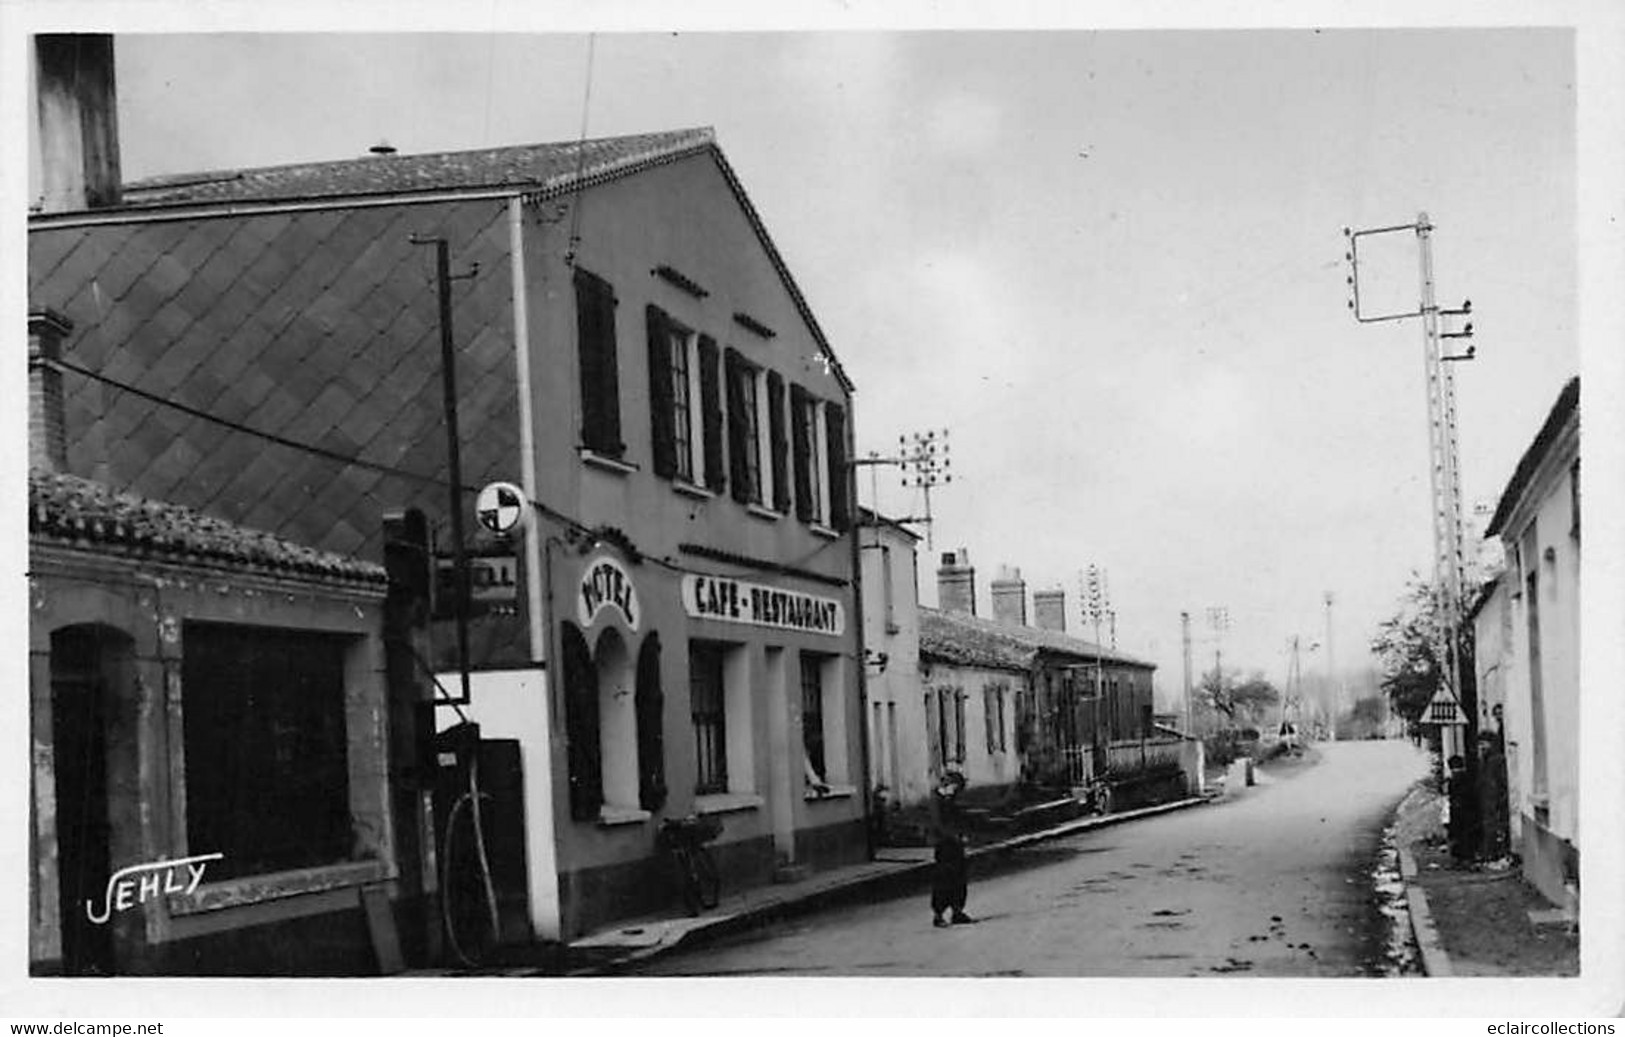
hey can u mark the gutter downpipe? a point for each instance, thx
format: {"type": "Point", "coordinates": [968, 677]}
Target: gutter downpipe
{"type": "Point", "coordinates": [546, 916]}
{"type": "Point", "coordinates": [855, 518]}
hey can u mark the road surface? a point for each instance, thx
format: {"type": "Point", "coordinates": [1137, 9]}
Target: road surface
{"type": "Point", "coordinates": [1272, 882]}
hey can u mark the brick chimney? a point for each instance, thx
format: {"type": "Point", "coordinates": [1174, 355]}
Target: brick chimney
{"type": "Point", "coordinates": [956, 583]}
{"type": "Point", "coordinates": [78, 122]}
{"type": "Point", "coordinates": [47, 438]}
{"type": "Point", "coordinates": [1049, 610]}
{"type": "Point", "coordinates": [1010, 597]}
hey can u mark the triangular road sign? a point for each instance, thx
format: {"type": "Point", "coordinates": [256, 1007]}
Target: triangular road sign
{"type": "Point", "coordinates": [1443, 709]}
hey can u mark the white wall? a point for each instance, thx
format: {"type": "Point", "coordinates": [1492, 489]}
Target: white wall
{"type": "Point", "coordinates": [898, 750]}
{"type": "Point", "coordinates": [513, 704]}
{"type": "Point", "coordinates": [1557, 560]}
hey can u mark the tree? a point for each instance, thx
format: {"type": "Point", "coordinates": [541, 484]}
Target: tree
{"type": "Point", "coordinates": [1241, 702]}
{"type": "Point", "coordinates": [1404, 647]}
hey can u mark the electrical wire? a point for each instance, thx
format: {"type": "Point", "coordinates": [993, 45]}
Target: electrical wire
{"type": "Point", "coordinates": [573, 524]}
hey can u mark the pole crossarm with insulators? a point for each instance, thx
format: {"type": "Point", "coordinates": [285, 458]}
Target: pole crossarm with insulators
{"type": "Point", "coordinates": [1444, 470]}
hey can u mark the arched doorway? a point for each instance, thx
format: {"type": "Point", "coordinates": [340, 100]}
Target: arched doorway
{"type": "Point", "coordinates": [617, 719]}
{"type": "Point", "coordinates": [91, 670]}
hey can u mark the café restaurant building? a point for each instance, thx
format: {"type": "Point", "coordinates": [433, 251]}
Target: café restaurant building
{"type": "Point", "coordinates": [671, 625]}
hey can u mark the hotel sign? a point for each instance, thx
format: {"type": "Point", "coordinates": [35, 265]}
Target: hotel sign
{"type": "Point", "coordinates": [735, 601]}
{"type": "Point", "coordinates": [605, 584]}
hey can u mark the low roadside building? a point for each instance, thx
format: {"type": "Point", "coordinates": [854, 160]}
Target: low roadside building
{"type": "Point", "coordinates": [211, 712]}
{"type": "Point", "coordinates": [1010, 704]}
{"type": "Point", "coordinates": [1538, 522]}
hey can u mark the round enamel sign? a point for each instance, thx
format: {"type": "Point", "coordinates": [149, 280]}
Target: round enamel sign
{"type": "Point", "coordinates": [500, 507]}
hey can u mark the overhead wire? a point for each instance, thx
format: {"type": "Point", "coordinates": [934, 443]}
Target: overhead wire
{"type": "Point", "coordinates": [574, 525]}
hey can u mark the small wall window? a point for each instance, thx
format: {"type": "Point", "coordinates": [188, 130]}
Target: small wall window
{"type": "Point", "coordinates": [993, 715]}
{"type": "Point", "coordinates": [267, 771]}
{"type": "Point", "coordinates": [1574, 499]}
{"type": "Point", "coordinates": [707, 708]}
{"type": "Point", "coordinates": [600, 379]}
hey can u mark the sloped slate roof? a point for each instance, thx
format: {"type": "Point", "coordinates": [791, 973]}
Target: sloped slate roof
{"type": "Point", "coordinates": [526, 167]}
{"type": "Point", "coordinates": [70, 508]}
{"type": "Point", "coordinates": [316, 326]}
{"type": "Point", "coordinates": [954, 637]}
{"type": "Point", "coordinates": [1568, 402]}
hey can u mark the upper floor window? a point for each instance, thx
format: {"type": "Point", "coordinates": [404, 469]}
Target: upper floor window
{"type": "Point", "coordinates": [807, 444]}
{"type": "Point", "coordinates": [778, 443]}
{"type": "Point", "coordinates": [600, 384]}
{"type": "Point", "coordinates": [673, 387]}
{"type": "Point", "coordinates": [744, 429]}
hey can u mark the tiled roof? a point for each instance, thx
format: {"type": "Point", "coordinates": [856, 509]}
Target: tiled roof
{"type": "Point", "coordinates": [954, 637]}
{"type": "Point", "coordinates": [1568, 403]}
{"type": "Point", "coordinates": [69, 508]}
{"type": "Point", "coordinates": [530, 167]}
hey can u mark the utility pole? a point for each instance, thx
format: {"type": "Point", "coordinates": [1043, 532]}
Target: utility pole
{"type": "Point", "coordinates": [930, 464]}
{"type": "Point", "coordinates": [1449, 577]}
{"type": "Point", "coordinates": [1333, 691]}
{"type": "Point", "coordinates": [1095, 607]}
{"type": "Point", "coordinates": [1218, 619]}
{"type": "Point", "coordinates": [1185, 636]}
{"type": "Point", "coordinates": [454, 457]}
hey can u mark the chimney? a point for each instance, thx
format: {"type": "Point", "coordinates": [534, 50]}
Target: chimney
{"type": "Point", "coordinates": [78, 122]}
{"type": "Point", "coordinates": [956, 583]}
{"type": "Point", "coordinates": [1010, 597]}
{"type": "Point", "coordinates": [1049, 610]}
{"type": "Point", "coordinates": [47, 439]}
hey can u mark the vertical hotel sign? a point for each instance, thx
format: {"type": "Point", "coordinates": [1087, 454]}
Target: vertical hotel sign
{"type": "Point", "coordinates": [755, 604]}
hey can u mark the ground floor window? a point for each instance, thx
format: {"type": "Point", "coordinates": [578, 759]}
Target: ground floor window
{"type": "Point", "coordinates": [707, 696]}
{"type": "Point", "coordinates": [267, 763]}
{"type": "Point", "coordinates": [812, 715]}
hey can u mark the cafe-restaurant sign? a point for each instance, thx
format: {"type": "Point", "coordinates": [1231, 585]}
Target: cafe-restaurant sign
{"type": "Point", "coordinates": [735, 601]}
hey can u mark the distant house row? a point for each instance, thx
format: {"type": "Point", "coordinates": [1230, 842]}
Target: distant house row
{"type": "Point", "coordinates": [1014, 707]}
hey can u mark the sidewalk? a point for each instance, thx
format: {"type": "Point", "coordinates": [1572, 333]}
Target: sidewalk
{"type": "Point", "coordinates": [1479, 920]}
{"type": "Point", "coordinates": [895, 870]}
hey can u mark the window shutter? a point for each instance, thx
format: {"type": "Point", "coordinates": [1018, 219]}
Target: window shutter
{"type": "Point", "coordinates": [959, 726]}
{"type": "Point", "coordinates": [990, 717]}
{"type": "Point", "coordinates": [711, 410]}
{"type": "Point", "coordinates": [662, 413]}
{"type": "Point", "coordinates": [586, 772]}
{"type": "Point", "coordinates": [600, 389]}
{"type": "Point", "coordinates": [933, 731]}
{"type": "Point", "coordinates": [778, 442]}
{"type": "Point", "coordinates": [840, 514]}
{"type": "Point", "coordinates": [651, 719]}
{"type": "Point", "coordinates": [801, 446]}
{"type": "Point", "coordinates": [733, 382]}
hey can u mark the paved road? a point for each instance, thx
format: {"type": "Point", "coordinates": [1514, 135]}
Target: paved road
{"type": "Point", "coordinates": [1274, 882]}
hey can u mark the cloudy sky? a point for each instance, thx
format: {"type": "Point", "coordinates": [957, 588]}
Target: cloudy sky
{"type": "Point", "coordinates": [1110, 262]}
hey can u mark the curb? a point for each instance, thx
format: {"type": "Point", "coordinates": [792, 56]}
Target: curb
{"type": "Point", "coordinates": [904, 875]}
{"type": "Point", "coordinates": [1435, 962]}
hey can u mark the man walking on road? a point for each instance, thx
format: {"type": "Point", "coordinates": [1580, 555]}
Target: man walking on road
{"type": "Point", "coordinates": [950, 877]}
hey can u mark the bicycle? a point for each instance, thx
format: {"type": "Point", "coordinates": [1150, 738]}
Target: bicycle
{"type": "Point", "coordinates": [693, 868]}
{"type": "Point", "coordinates": [1097, 796]}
